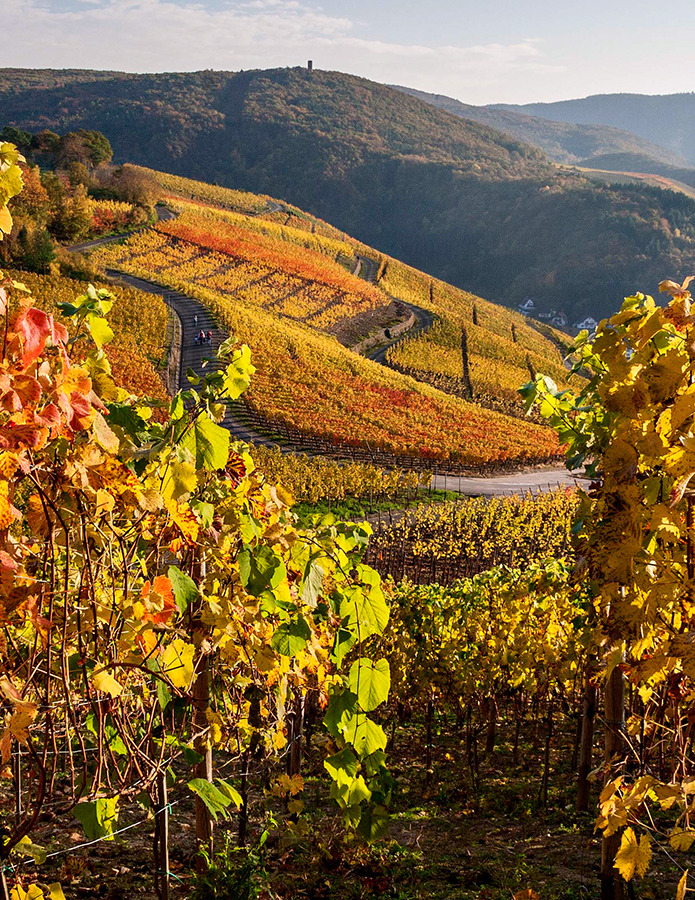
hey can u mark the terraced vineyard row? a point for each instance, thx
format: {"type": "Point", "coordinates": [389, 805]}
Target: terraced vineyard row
{"type": "Point", "coordinates": [443, 542]}
{"type": "Point", "coordinates": [251, 269]}
{"type": "Point", "coordinates": [476, 349]}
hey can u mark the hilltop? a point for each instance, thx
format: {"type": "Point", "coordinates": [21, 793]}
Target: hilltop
{"type": "Point", "coordinates": [457, 199]}
{"type": "Point", "coordinates": [563, 142]}
{"type": "Point", "coordinates": [666, 119]}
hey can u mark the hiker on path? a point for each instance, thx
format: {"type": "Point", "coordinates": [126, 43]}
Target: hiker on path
{"type": "Point", "coordinates": [210, 338]}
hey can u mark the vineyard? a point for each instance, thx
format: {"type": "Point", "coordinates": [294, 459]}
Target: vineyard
{"type": "Point", "coordinates": [286, 291]}
{"type": "Point", "coordinates": [253, 268]}
{"type": "Point", "coordinates": [266, 209]}
{"type": "Point", "coordinates": [475, 350]}
{"type": "Point", "coordinates": [314, 479]}
{"type": "Point", "coordinates": [204, 693]}
{"type": "Point", "coordinates": [440, 543]}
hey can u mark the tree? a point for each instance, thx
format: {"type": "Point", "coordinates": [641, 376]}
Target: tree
{"type": "Point", "coordinates": [46, 141]}
{"type": "Point", "coordinates": [90, 148]}
{"type": "Point", "coordinates": [34, 202]}
{"type": "Point", "coordinates": [22, 139]}
{"type": "Point", "coordinates": [78, 173]}
{"type": "Point", "coordinates": [98, 147]}
{"type": "Point", "coordinates": [134, 186]}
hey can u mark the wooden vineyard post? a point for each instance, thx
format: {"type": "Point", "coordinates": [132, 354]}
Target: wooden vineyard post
{"type": "Point", "coordinates": [586, 741]}
{"type": "Point", "coordinates": [491, 736]}
{"type": "Point", "coordinates": [612, 884]}
{"type": "Point", "coordinates": [244, 809]}
{"type": "Point", "coordinates": [17, 766]}
{"type": "Point", "coordinates": [428, 748]}
{"type": "Point", "coordinates": [4, 890]}
{"type": "Point", "coordinates": [202, 745]}
{"type": "Point", "coordinates": [543, 793]}
{"type": "Point", "coordinates": [161, 837]}
{"type": "Point", "coordinates": [295, 731]}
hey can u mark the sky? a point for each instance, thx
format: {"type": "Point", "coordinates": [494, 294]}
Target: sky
{"type": "Point", "coordinates": [487, 51]}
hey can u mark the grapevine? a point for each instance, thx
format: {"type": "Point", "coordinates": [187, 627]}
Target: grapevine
{"type": "Point", "coordinates": [160, 602]}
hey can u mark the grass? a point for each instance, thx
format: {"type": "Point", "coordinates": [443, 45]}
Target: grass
{"type": "Point", "coordinates": [352, 508]}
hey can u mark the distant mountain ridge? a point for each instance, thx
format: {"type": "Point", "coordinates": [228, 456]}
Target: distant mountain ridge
{"type": "Point", "coordinates": [564, 142]}
{"type": "Point", "coordinates": [666, 119]}
{"type": "Point", "coordinates": [453, 197]}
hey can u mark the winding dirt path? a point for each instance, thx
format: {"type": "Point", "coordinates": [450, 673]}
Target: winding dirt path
{"type": "Point", "coordinates": [194, 316]}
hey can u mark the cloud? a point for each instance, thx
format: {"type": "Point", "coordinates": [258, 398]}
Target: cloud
{"type": "Point", "coordinates": [162, 35]}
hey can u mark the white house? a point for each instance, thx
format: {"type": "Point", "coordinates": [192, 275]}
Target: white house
{"type": "Point", "coordinates": [589, 324]}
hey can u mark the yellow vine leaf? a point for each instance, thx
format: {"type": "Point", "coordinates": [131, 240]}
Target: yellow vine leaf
{"type": "Point", "coordinates": [216, 723]}
{"type": "Point", "coordinates": [23, 715]}
{"type": "Point", "coordinates": [7, 511]}
{"type": "Point", "coordinates": [105, 502]}
{"type": "Point", "coordinates": [682, 886]}
{"type": "Point", "coordinates": [34, 892]}
{"type": "Point", "coordinates": [104, 681]}
{"type": "Point", "coordinates": [177, 663]}
{"type": "Point", "coordinates": [55, 891]}
{"type": "Point", "coordinates": [681, 840]}
{"type": "Point", "coordinates": [633, 856]}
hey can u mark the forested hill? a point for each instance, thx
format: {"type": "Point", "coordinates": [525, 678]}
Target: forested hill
{"type": "Point", "coordinates": [172, 111]}
{"type": "Point", "coordinates": [453, 197]}
{"type": "Point", "coordinates": [667, 119]}
{"type": "Point", "coordinates": [564, 142]}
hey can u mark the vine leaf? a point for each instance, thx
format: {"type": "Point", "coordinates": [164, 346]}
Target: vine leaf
{"type": "Point", "coordinates": [633, 856]}
{"type": "Point", "coordinates": [216, 799]}
{"type": "Point", "coordinates": [682, 886]}
{"type": "Point", "coordinates": [177, 663]}
{"type": "Point", "coordinates": [185, 589]}
{"type": "Point", "coordinates": [104, 681]}
{"type": "Point", "coordinates": [291, 637]}
{"type": "Point", "coordinates": [370, 681]}
{"type": "Point", "coordinates": [98, 817]}
{"type": "Point", "coordinates": [364, 735]}
{"type": "Point", "coordinates": [209, 444]}
{"type": "Point", "coordinates": [373, 824]}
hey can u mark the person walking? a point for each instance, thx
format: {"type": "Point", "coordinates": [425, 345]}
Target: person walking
{"type": "Point", "coordinates": [210, 338]}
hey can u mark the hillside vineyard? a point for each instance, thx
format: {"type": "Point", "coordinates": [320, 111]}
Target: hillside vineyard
{"type": "Point", "coordinates": [331, 567]}
{"type": "Point", "coordinates": [289, 292]}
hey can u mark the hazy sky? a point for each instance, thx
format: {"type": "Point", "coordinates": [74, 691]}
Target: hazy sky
{"type": "Point", "coordinates": [485, 51]}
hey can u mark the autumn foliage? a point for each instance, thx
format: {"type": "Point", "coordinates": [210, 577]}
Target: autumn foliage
{"type": "Point", "coordinates": [142, 560]}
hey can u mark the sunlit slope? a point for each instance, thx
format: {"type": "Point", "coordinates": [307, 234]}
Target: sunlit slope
{"type": "Point", "coordinates": [475, 349]}
{"type": "Point", "coordinates": [289, 292]}
{"type": "Point", "coordinates": [501, 349]}
{"type": "Point", "coordinates": [452, 197]}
